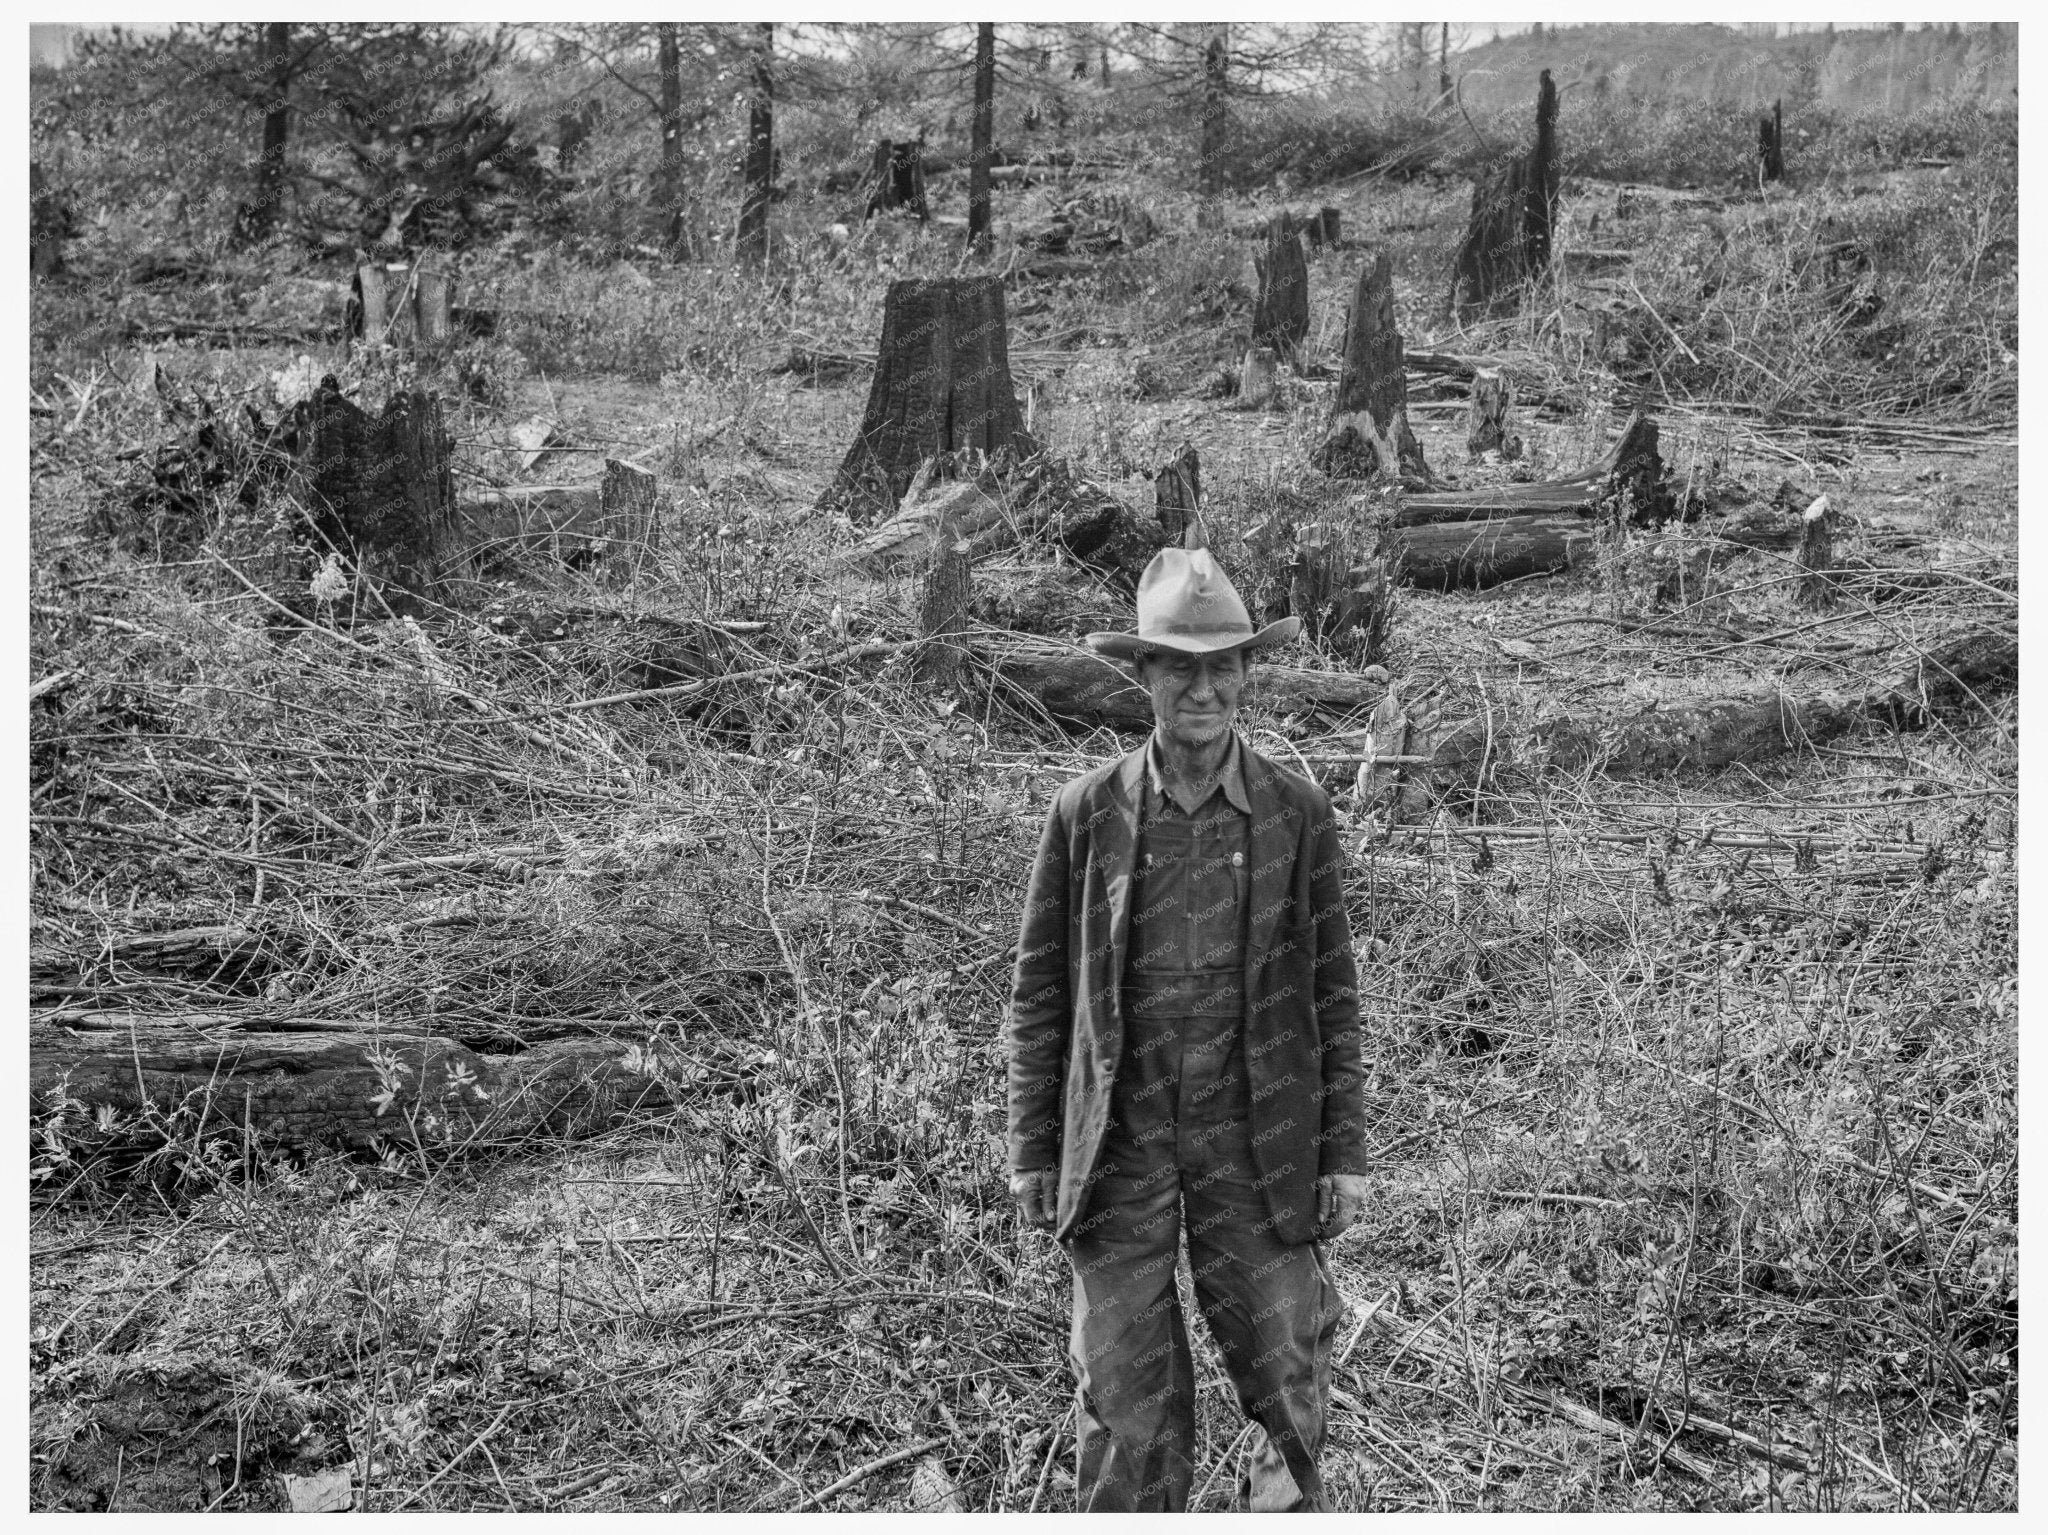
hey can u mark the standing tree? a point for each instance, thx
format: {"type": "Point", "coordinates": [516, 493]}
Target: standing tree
{"type": "Point", "coordinates": [257, 218]}
{"type": "Point", "coordinates": [980, 223]}
{"type": "Point", "coordinates": [669, 66]}
{"type": "Point", "coordinates": [760, 164]}
{"type": "Point", "coordinates": [1770, 144]}
{"type": "Point", "coordinates": [1214, 124]}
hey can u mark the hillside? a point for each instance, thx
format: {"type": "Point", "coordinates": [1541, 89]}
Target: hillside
{"type": "Point", "coordinates": [1848, 72]}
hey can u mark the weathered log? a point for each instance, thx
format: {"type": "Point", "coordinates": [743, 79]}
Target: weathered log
{"type": "Point", "coordinates": [352, 1091]}
{"type": "Point", "coordinates": [1744, 727]}
{"type": "Point", "coordinates": [1445, 556]}
{"type": "Point", "coordinates": [381, 488]}
{"type": "Point", "coordinates": [1507, 238]}
{"type": "Point", "coordinates": [1078, 687]}
{"type": "Point", "coordinates": [1770, 144]}
{"type": "Point", "coordinates": [1177, 489]}
{"type": "Point", "coordinates": [912, 535]}
{"type": "Point", "coordinates": [1632, 468]}
{"type": "Point", "coordinates": [941, 385]}
{"type": "Point", "coordinates": [1368, 432]}
{"type": "Point", "coordinates": [1486, 423]}
{"type": "Point", "coordinates": [1280, 316]}
{"type": "Point", "coordinates": [1258, 381]}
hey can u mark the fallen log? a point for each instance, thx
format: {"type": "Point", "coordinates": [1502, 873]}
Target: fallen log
{"type": "Point", "coordinates": [1766, 721]}
{"type": "Point", "coordinates": [1482, 552]}
{"type": "Point", "coordinates": [1078, 687]}
{"type": "Point", "coordinates": [1632, 465]}
{"type": "Point", "coordinates": [353, 1091]}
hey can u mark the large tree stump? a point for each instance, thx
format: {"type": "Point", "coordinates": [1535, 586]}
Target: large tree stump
{"type": "Point", "coordinates": [1280, 317]}
{"type": "Point", "coordinates": [1177, 492]}
{"type": "Point", "coordinates": [897, 179]}
{"type": "Point", "coordinates": [1507, 239]}
{"type": "Point", "coordinates": [1770, 144]}
{"type": "Point", "coordinates": [341, 1090]}
{"type": "Point", "coordinates": [1486, 421]}
{"type": "Point", "coordinates": [380, 489]}
{"type": "Point", "coordinates": [1368, 432]}
{"type": "Point", "coordinates": [941, 385]}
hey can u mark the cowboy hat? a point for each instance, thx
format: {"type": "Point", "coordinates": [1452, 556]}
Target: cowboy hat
{"type": "Point", "coordinates": [1186, 603]}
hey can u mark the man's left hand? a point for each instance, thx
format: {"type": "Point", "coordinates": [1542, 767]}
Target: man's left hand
{"type": "Point", "coordinates": [1339, 1197]}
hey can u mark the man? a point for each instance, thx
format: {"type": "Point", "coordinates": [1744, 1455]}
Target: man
{"type": "Point", "coordinates": [1183, 1053]}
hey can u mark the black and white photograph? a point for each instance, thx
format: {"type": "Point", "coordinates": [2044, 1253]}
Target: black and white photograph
{"type": "Point", "coordinates": [1055, 766]}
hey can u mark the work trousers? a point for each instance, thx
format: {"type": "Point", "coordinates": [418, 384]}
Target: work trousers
{"type": "Point", "coordinates": [1178, 1155]}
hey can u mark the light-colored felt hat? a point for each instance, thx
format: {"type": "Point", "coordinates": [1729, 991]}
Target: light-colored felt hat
{"type": "Point", "coordinates": [1186, 603]}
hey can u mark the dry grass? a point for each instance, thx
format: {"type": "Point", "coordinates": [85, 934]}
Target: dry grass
{"type": "Point", "coordinates": [1670, 1128]}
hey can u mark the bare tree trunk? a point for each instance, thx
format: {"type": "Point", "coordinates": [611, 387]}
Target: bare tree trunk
{"type": "Point", "coordinates": [980, 222]}
{"type": "Point", "coordinates": [675, 237]}
{"type": "Point", "coordinates": [752, 243]}
{"type": "Point", "coordinates": [259, 217]}
{"type": "Point", "coordinates": [1368, 432]}
{"type": "Point", "coordinates": [1443, 63]}
{"type": "Point", "coordinates": [1215, 60]}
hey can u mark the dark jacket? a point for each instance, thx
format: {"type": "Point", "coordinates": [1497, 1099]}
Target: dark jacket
{"type": "Point", "coordinates": [1065, 1033]}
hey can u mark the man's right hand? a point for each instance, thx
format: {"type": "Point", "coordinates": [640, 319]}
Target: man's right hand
{"type": "Point", "coordinates": [1037, 1196]}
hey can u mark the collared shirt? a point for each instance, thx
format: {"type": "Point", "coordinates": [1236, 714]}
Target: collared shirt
{"type": "Point", "coordinates": [1186, 948]}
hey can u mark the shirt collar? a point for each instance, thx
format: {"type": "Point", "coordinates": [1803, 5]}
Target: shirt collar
{"type": "Point", "coordinates": [1231, 780]}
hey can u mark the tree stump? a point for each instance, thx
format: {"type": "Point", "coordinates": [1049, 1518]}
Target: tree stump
{"type": "Point", "coordinates": [1770, 144]}
{"type": "Point", "coordinates": [948, 590]}
{"type": "Point", "coordinates": [898, 179]}
{"type": "Point", "coordinates": [1323, 228]}
{"type": "Point", "coordinates": [1280, 317]}
{"type": "Point", "coordinates": [1486, 422]}
{"type": "Point", "coordinates": [1177, 489]}
{"type": "Point", "coordinates": [402, 305]}
{"type": "Point", "coordinates": [625, 509]}
{"type": "Point", "coordinates": [1507, 239]}
{"type": "Point", "coordinates": [1816, 556]}
{"type": "Point", "coordinates": [380, 489]}
{"type": "Point", "coordinates": [1258, 381]}
{"type": "Point", "coordinates": [1368, 432]}
{"type": "Point", "coordinates": [50, 224]}
{"type": "Point", "coordinates": [941, 385]}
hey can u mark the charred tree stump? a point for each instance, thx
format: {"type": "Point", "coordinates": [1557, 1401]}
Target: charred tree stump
{"type": "Point", "coordinates": [1258, 381]}
{"type": "Point", "coordinates": [898, 178]}
{"type": "Point", "coordinates": [1770, 144]}
{"type": "Point", "coordinates": [1280, 317]}
{"type": "Point", "coordinates": [380, 489]}
{"type": "Point", "coordinates": [1486, 421]}
{"type": "Point", "coordinates": [1368, 433]}
{"type": "Point", "coordinates": [1322, 228]}
{"type": "Point", "coordinates": [1177, 490]}
{"type": "Point", "coordinates": [1508, 237]}
{"type": "Point", "coordinates": [941, 385]}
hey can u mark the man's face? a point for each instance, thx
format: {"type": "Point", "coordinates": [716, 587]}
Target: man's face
{"type": "Point", "coordinates": [1194, 698]}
